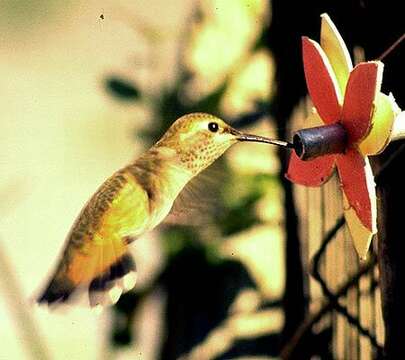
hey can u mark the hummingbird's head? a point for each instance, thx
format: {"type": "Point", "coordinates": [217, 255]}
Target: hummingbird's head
{"type": "Point", "coordinates": [199, 139]}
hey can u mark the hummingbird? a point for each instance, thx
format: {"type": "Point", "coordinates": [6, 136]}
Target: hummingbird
{"type": "Point", "coordinates": [134, 200]}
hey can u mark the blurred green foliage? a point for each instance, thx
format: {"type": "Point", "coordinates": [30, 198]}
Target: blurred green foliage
{"type": "Point", "coordinates": [240, 211]}
{"type": "Point", "coordinates": [200, 283]}
{"type": "Point", "coordinates": [121, 89]}
{"type": "Point", "coordinates": [24, 15]}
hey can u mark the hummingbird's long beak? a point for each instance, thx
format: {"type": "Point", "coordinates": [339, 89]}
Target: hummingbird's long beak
{"type": "Point", "coordinates": [256, 138]}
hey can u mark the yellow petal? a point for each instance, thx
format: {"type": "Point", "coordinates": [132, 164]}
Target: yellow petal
{"type": "Point", "coordinates": [385, 111]}
{"type": "Point", "coordinates": [360, 234]}
{"type": "Point", "coordinates": [336, 51]}
{"type": "Point", "coordinates": [398, 128]}
{"type": "Point", "coordinates": [313, 119]}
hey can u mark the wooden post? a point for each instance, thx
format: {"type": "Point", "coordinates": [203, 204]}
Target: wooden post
{"type": "Point", "coordinates": [391, 249]}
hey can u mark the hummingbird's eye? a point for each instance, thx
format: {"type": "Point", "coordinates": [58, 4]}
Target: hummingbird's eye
{"type": "Point", "coordinates": [213, 127]}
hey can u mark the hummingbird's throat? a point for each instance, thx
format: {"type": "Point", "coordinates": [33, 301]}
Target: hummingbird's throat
{"type": "Point", "coordinates": [203, 154]}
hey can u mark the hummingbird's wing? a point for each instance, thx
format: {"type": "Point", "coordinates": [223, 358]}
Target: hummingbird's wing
{"type": "Point", "coordinates": [199, 200]}
{"type": "Point", "coordinates": [96, 254]}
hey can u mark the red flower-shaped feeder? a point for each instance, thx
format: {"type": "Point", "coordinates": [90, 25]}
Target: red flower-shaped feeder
{"type": "Point", "coordinates": [358, 120]}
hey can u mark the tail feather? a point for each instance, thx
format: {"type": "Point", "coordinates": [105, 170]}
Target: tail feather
{"type": "Point", "coordinates": [108, 287]}
{"type": "Point", "coordinates": [59, 290]}
{"type": "Point", "coordinates": [102, 290]}
{"type": "Point", "coordinates": [116, 271]}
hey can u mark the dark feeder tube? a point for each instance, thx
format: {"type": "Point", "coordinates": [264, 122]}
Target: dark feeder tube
{"type": "Point", "coordinates": [317, 141]}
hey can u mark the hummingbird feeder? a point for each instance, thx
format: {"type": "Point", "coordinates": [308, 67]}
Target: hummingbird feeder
{"type": "Point", "coordinates": [358, 121]}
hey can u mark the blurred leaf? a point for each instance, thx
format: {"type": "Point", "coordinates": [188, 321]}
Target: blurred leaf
{"type": "Point", "coordinates": [240, 213]}
{"type": "Point", "coordinates": [122, 318]}
{"type": "Point", "coordinates": [177, 238]}
{"type": "Point", "coordinates": [169, 107]}
{"type": "Point", "coordinates": [241, 216]}
{"type": "Point", "coordinates": [199, 295]}
{"type": "Point", "coordinates": [211, 102]}
{"type": "Point", "coordinates": [122, 89]}
{"type": "Point", "coordinates": [262, 40]}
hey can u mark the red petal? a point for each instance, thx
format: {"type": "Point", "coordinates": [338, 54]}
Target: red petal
{"type": "Point", "coordinates": [362, 87]}
{"type": "Point", "coordinates": [357, 182]}
{"type": "Point", "coordinates": [312, 172]}
{"type": "Point", "coordinates": [321, 81]}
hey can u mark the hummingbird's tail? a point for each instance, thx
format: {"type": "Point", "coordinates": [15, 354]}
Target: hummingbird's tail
{"type": "Point", "coordinates": [108, 287]}
{"type": "Point", "coordinates": [58, 290]}
{"type": "Point", "coordinates": [103, 289]}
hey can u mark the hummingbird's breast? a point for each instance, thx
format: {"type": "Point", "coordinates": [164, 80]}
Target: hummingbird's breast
{"type": "Point", "coordinates": [162, 181]}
